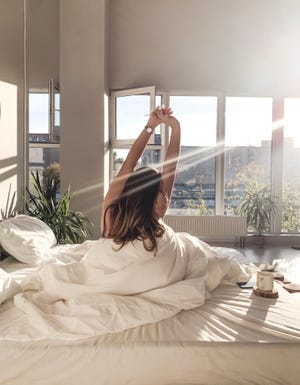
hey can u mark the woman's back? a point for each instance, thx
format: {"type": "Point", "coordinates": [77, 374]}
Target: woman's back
{"type": "Point", "coordinates": [137, 200]}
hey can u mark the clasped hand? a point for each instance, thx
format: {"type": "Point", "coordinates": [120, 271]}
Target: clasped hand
{"type": "Point", "coordinates": [162, 115]}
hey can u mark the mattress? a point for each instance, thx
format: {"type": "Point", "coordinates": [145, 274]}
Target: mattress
{"type": "Point", "coordinates": [234, 338]}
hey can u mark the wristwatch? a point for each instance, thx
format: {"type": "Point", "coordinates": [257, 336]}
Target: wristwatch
{"type": "Point", "coordinates": [149, 129]}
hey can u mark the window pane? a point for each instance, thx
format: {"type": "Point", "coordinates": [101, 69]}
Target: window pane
{"type": "Point", "coordinates": [130, 115]}
{"type": "Point", "coordinates": [291, 166]}
{"type": "Point", "coordinates": [57, 101]}
{"type": "Point", "coordinates": [157, 133]}
{"type": "Point", "coordinates": [41, 159]}
{"type": "Point", "coordinates": [38, 116]}
{"type": "Point", "coordinates": [56, 110]}
{"type": "Point", "coordinates": [194, 188]}
{"type": "Point", "coordinates": [158, 100]}
{"type": "Point", "coordinates": [149, 158]}
{"type": "Point", "coordinates": [118, 158]}
{"type": "Point", "coordinates": [248, 135]}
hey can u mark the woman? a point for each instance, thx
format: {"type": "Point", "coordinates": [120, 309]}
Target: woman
{"type": "Point", "coordinates": [156, 274]}
{"type": "Point", "coordinates": [138, 200]}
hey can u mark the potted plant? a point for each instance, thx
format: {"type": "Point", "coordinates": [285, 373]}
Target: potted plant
{"type": "Point", "coordinates": [10, 206]}
{"type": "Point", "coordinates": [53, 208]}
{"type": "Point", "coordinates": [258, 206]}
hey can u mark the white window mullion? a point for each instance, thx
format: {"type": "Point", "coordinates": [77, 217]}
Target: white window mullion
{"type": "Point", "coordinates": [164, 129]}
{"type": "Point", "coordinates": [125, 141]}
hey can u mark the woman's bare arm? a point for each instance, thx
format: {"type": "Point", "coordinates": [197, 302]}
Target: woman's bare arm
{"type": "Point", "coordinates": [170, 163]}
{"type": "Point", "coordinates": [135, 152]}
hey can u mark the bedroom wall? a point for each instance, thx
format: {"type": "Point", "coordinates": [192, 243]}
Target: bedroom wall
{"type": "Point", "coordinates": [84, 86]}
{"type": "Point", "coordinates": [11, 97]}
{"type": "Point", "coordinates": [29, 50]}
{"type": "Point", "coordinates": [42, 43]}
{"type": "Point", "coordinates": [231, 47]}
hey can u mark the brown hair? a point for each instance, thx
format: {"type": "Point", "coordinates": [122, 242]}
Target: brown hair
{"type": "Point", "coordinates": [131, 216]}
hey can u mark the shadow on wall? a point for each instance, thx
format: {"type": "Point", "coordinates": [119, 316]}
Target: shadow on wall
{"type": "Point", "coordinates": [8, 168]}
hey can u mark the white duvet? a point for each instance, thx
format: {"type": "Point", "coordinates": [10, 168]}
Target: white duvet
{"type": "Point", "coordinates": [107, 291]}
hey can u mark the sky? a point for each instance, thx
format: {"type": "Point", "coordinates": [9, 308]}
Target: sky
{"type": "Point", "coordinates": [39, 112]}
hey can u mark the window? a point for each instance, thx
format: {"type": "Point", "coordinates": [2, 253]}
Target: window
{"type": "Point", "coordinates": [44, 120]}
{"type": "Point", "coordinates": [291, 166]}
{"type": "Point", "coordinates": [195, 183]}
{"type": "Point", "coordinates": [44, 130]}
{"type": "Point", "coordinates": [38, 117]}
{"type": "Point", "coordinates": [194, 189]}
{"type": "Point", "coordinates": [130, 109]}
{"type": "Point", "coordinates": [130, 115]}
{"type": "Point", "coordinates": [221, 159]}
{"type": "Point", "coordinates": [248, 135]}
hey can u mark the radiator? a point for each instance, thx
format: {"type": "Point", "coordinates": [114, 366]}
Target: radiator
{"type": "Point", "coordinates": [217, 227]}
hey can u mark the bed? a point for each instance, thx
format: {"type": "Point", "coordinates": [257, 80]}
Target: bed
{"type": "Point", "coordinates": [235, 337]}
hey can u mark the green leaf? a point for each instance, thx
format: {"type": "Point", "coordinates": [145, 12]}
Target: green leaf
{"type": "Point", "coordinates": [68, 226]}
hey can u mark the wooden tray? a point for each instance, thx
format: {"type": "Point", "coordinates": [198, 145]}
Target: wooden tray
{"type": "Point", "coordinates": [292, 287]}
{"type": "Point", "coordinates": [278, 276]}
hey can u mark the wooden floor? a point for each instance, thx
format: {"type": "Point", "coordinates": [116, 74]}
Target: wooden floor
{"type": "Point", "coordinates": [268, 254]}
{"type": "Point", "coordinates": [285, 259]}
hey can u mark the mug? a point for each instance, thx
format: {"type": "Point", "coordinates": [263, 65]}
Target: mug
{"type": "Point", "coordinates": [265, 281]}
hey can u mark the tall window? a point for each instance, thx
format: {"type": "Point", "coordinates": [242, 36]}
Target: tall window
{"type": "Point", "coordinates": [291, 166]}
{"type": "Point", "coordinates": [195, 183]}
{"type": "Point", "coordinates": [44, 131]}
{"type": "Point", "coordinates": [130, 109]}
{"type": "Point", "coordinates": [248, 135]}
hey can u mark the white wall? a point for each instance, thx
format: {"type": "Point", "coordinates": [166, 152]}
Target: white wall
{"type": "Point", "coordinates": [40, 52]}
{"type": "Point", "coordinates": [83, 83]}
{"type": "Point", "coordinates": [216, 46]}
{"type": "Point", "coordinates": [227, 46]}
{"type": "Point", "coordinates": [9, 140]}
{"type": "Point", "coordinates": [42, 43]}
{"type": "Point", "coordinates": [11, 97]}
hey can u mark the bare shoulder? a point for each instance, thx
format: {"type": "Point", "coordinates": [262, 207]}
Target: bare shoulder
{"type": "Point", "coordinates": [161, 205]}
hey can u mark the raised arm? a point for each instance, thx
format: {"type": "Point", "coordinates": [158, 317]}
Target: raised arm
{"type": "Point", "coordinates": [170, 162]}
{"type": "Point", "coordinates": [130, 162]}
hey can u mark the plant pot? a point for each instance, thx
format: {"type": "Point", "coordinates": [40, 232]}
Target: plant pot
{"type": "Point", "coordinates": [259, 240]}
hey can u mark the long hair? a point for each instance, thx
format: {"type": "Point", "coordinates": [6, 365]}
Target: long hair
{"type": "Point", "coordinates": [131, 216]}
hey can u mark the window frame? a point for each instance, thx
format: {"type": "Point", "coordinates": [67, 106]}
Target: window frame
{"type": "Point", "coordinates": [276, 182]}
{"type": "Point", "coordinates": [125, 144]}
{"type": "Point", "coordinates": [51, 143]}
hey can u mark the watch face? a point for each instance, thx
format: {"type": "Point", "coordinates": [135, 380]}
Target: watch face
{"type": "Point", "coordinates": [149, 129]}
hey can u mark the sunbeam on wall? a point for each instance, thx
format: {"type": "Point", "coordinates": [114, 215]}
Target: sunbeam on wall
{"type": "Point", "coordinates": [8, 140]}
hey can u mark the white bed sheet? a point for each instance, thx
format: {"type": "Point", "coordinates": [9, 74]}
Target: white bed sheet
{"type": "Point", "coordinates": [234, 338]}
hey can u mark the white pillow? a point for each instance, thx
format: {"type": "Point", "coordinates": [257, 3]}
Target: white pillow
{"type": "Point", "coordinates": [8, 286]}
{"type": "Point", "coordinates": [26, 238]}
